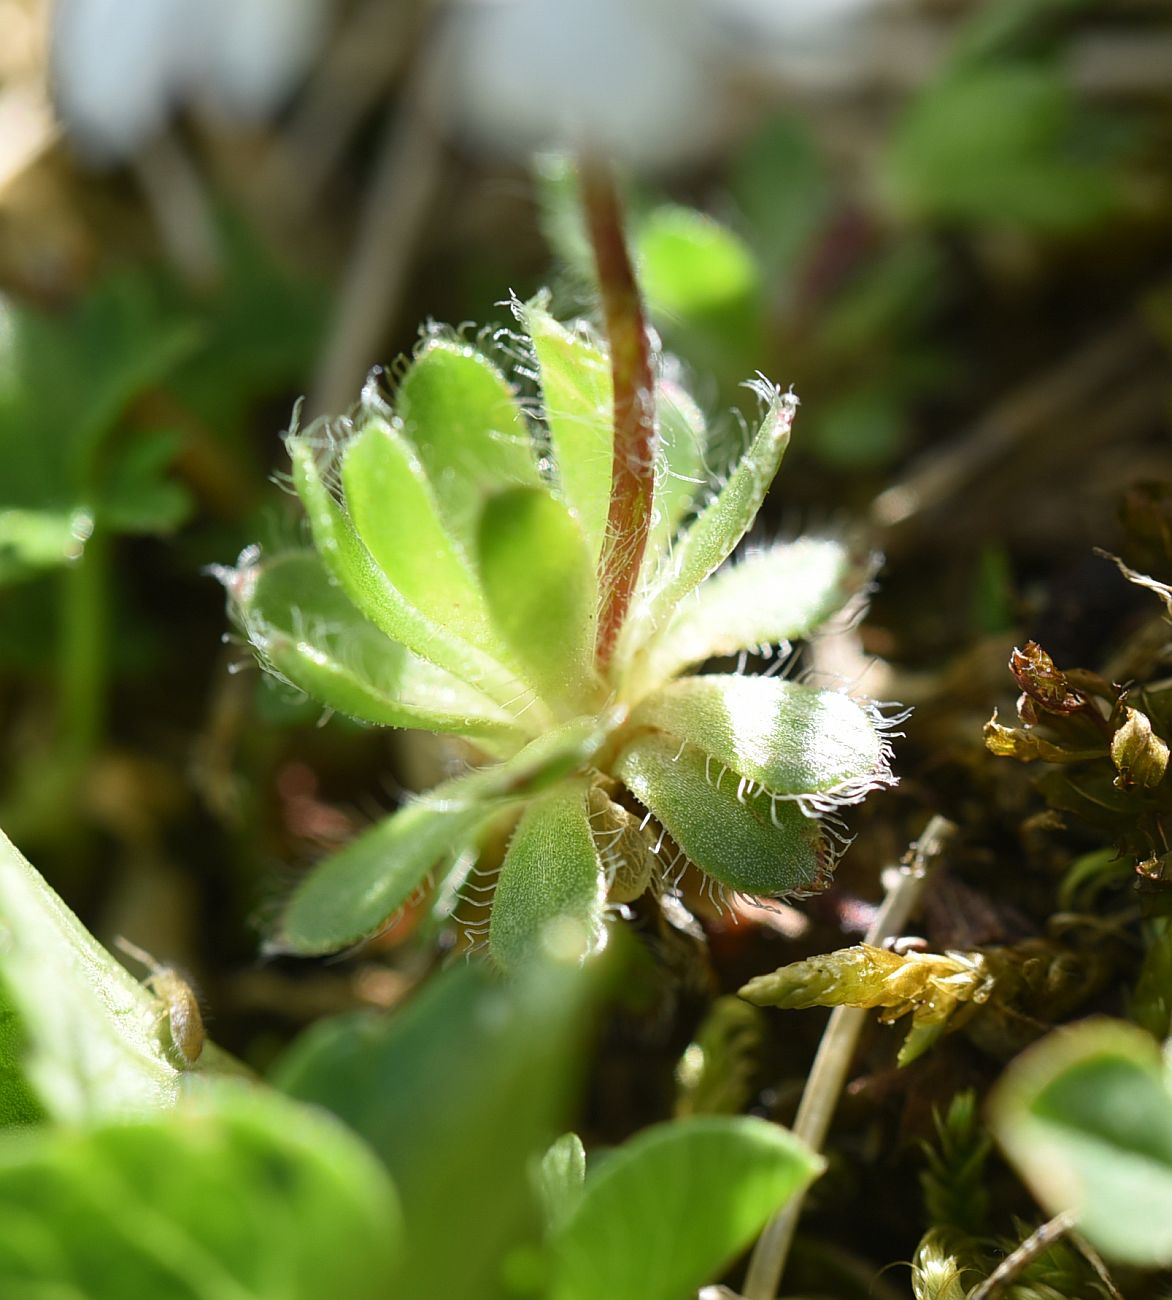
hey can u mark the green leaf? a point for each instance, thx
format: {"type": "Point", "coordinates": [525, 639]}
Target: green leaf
{"type": "Point", "coordinates": [782, 190]}
{"type": "Point", "coordinates": [395, 514]}
{"type": "Point", "coordinates": [770, 598]}
{"type": "Point", "coordinates": [691, 264]}
{"type": "Point", "coordinates": [66, 382]}
{"type": "Point", "coordinates": [578, 405]}
{"type": "Point", "coordinates": [458, 1093]}
{"type": "Point", "coordinates": [18, 1101]}
{"type": "Point", "coordinates": [236, 1195]}
{"type": "Point", "coordinates": [542, 592]}
{"type": "Point", "coordinates": [461, 416]}
{"type": "Point", "coordinates": [714, 533]}
{"type": "Point", "coordinates": [377, 597]}
{"type": "Point", "coordinates": [304, 628]}
{"type": "Point", "coordinates": [353, 893]}
{"type": "Point", "coordinates": [34, 540]}
{"type": "Point", "coordinates": [551, 888]}
{"type": "Point", "coordinates": [702, 284]}
{"type": "Point", "coordinates": [793, 740]}
{"type": "Point", "coordinates": [88, 1032]}
{"type": "Point", "coordinates": [1086, 1117]}
{"type": "Point", "coordinates": [750, 843]}
{"type": "Point", "coordinates": [671, 1208]}
{"type": "Point", "coordinates": [138, 496]}
{"type": "Point", "coordinates": [90, 1039]}
{"type": "Point", "coordinates": [681, 470]}
{"type": "Point", "coordinates": [563, 1173]}
{"type": "Point", "coordinates": [998, 144]}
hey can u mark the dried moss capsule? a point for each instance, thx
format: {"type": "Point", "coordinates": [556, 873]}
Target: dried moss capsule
{"type": "Point", "coordinates": [184, 1020]}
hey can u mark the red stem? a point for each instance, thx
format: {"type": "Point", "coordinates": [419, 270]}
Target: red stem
{"type": "Point", "coordinates": [633, 473]}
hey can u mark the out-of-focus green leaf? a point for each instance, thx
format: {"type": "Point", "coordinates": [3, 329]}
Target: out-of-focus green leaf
{"type": "Point", "coordinates": [65, 385]}
{"type": "Point", "coordinates": [781, 190]}
{"type": "Point", "coordinates": [713, 535]}
{"type": "Point", "coordinates": [791, 739]}
{"type": "Point", "coordinates": [551, 889]}
{"type": "Point", "coordinates": [997, 144]}
{"type": "Point", "coordinates": [563, 1171]}
{"type": "Point", "coordinates": [395, 513]}
{"type": "Point", "coordinates": [89, 1036]}
{"type": "Point", "coordinates": [376, 596]}
{"type": "Point", "coordinates": [260, 330]}
{"type": "Point", "coordinates": [700, 278]}
{"type": "Point", "coordinates": [1086, 1117]}
{"type": "Point", "coordinates": [34, 540]}
{"type": "Point", "coordinates": [542, 592]}
{"type": "Point", "coordinates": [769, 598]}
{"type": "Point", "coordinates": [353, 893]}
{"type": "Point", "coordinates": [669, 1209]}
{"type": "Point", "coordinates": [461, 416]}
{"type": "Point", "coordinates": [861, 430]}
{"type": "Point", "coordinates": [138, 496]}
{"type": "Point", "coordinates": [578, 405]}
{"type": "Point", "coordinates": [303, 626]}
{"type": "Point", "coordinates": [236, 1194]}
{"type": "Point", "coordinates": [459, 1093]}
{"type": "Point", "coordinates": [751, 843]}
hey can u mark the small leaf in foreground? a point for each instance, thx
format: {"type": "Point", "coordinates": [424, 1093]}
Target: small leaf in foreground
{"type": "Point", "coordinates": [459, 1093]}
{"type": "Point", "coordinates": [672, 1207]}
{"type": "Point", "coordinates": [237, 1193]}
{"type": "Point", "coordinates": [1086, 1117]}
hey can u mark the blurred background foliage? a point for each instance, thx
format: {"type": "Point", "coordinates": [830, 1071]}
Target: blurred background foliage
{"type": "Point", "coordinates": [946, 223]}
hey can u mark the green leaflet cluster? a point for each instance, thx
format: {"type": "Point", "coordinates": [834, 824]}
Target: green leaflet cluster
{"type": "Point", "coordinates": [453, 586]}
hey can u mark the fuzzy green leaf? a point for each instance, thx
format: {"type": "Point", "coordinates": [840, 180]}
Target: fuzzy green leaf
{"type": "Point", "coordinates": [461, 416]}
{"type": "Point", "coordinates": [791, 739]}
{"type": "Point", "coordinates": [237, 1195]}
{"type": "Point", "coordinates": [376, 596]}
{"type": "Point", "coordinates": [542, 592]}
{"type": "Point", "coordinates": [753, 844]}
{"type": "Point", "coordinates": [353, 893]}
{"type": "Point", "coordinates": [395, 514]}
{"type": "Point", "coordinates": [669, 1209]}
{"type": "Point", "coordinates": [769, 598]}
{"type": "Point", "coordinates": [551, 889]}
{"type": "Point", "coordinates": [459, 1093]}
{"type": "Point", "coordinates": [681, 473]}
{"type": "Point", "coordinates": [578, 405]}
{"type": "Point", "coordinates": [304, 627]}
{"type": "Point", "coordinates": [713, 535]}
{"type": "Point", "coordinates": [1086, 1116]}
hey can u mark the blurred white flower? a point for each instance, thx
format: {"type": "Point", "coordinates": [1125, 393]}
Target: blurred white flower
{"type": "Point", "coordinates": [650, 81]}
{"type": "Point", "coordinates": [630, 78]}
{"type": "Point", "coordinates": [120, 67]}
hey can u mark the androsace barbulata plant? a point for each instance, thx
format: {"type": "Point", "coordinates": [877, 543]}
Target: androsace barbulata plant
{"type": "Point", "coordinates": [542, 579]}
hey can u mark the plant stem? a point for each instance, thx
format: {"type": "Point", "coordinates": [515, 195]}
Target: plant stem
{"type": "Point", "coordinates": [836, 1050]}
{"type": "Point", "coordinates": [1035, 1244]}
{"type": "Point", "coordinates": [633, 467]}
{"type": "Point", "coordinates": [84, 665]}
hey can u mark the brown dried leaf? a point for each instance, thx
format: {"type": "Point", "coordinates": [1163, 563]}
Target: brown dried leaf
{"type": "Point", "coordinates": [1042, 681]}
